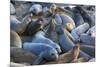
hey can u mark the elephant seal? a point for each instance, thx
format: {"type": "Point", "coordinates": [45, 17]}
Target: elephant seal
{"type": "Point", "coordinates": [68, 56]}
{"type": "Point", "coordinates": [38, 48]}
{"type": "Point", "coordinates": [90, 19]}
{"type": "Point", "coordinates": [58, 19]}
{"type": "Point", "coordinates": [77, 17]}
{"type": "Point", "coordinates": [67, 22]}
{"type": "Point", "coordinates": [17, 25]}
{"type": "Point", "coordinates": [64, 41]}
{"type": "Point", "coordinates": [36, 9]}
{"type": "Point", "coordinates": [19, 55]}
{"type": "Point", "coordinates": [87, 39]}
{"type": "Point", "coordinates": [79, 30]}
{"type": "Point", "coordinates": [43, 51]}
{"type": "Point", "coordinates": [35, 26]}
{"type": "Point", "coordinates": [15, 39]}
{"type": "Point", "coordinates": [91, 32]}
{"type": "Point", "coordinates": [40, 38]}
{"type": "Point", "coordinates": [51, 31]}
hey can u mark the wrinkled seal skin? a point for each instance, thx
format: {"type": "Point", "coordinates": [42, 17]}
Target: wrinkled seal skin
{"type": "Point", "coordinates": [47, 52]}
{"type": "Point", "coordinates": [19, 55]}
{"type": "Point", "coordinates": [15, 39]}
{"type": "Point", "coordinates": [40, 38]}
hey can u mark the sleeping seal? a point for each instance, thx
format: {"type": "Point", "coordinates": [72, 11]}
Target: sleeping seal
{"type": "Point", "coordinates": [43, 51]}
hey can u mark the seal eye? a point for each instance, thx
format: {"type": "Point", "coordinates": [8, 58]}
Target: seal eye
{"type": "Point", "coordinates": [52, 54]}
{"type": "Point", "coordinates": [56, 48]}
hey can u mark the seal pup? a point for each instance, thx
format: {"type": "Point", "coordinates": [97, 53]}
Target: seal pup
{"type": "Point", "coordinates": [43, 51]}
{"type": "Point", "coordinates": [40, 38]}
{"type": "Point", "coordinates": [15, 39]}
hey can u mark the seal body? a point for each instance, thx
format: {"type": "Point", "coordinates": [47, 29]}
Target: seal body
{"type": "Point", "coordinates": [17, 25]}
{"type": "Point", "coordinates": [79, 30]}
{"type": "Point", "coordinates": [19, 55]}
{"type": "Point", "coordinates": [15, 39]}
{"type": "Point", "coordinates": [47, 51]}
{"type": "Point", "coordinates": [65, 42]}
{"type": "Point", "coordinates": [40, 38]}
{"type": "Point", "coordinates": [68, 22]}
{"type": "Point", "coordinates": [91, 32]}
{"type": "Point", "coordinates": [87, 39]}
{"type": "Point", "coordinates": [77, 17]}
